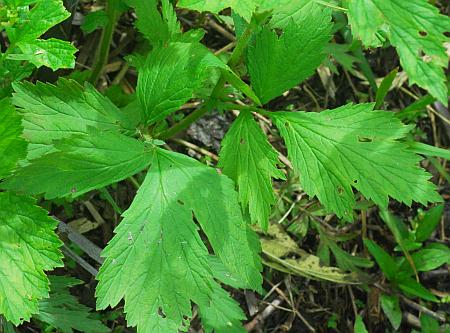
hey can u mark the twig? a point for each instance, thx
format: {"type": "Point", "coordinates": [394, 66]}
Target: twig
{"type": "Point", "coordinates": [94, 212]}
{"type": "Point", "coordinates": [263, 315]}
{"type": "Point", "coordinates": [423, 309]}
{"type": "Point", "coordinates": [224, 32]}
{"type": "Point", "coordinates": [85, 244]}
{"type": "Point", "coordinates": [83, 263]}
{"type": "Point", "coordinates": [197, 149]}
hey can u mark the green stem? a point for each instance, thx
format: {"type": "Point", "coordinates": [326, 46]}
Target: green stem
{"type": "Point", "coordinates": [232, 62]}
{"type": "Point", "coordinates": [101, 58]}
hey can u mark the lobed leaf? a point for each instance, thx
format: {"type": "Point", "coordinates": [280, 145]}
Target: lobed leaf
{"type": "Point", "coordinates": [350, 147]}
{"type": "Point", "coordinates": [249, 159]}
{"type": "Point", "coordinates": [29, 246]}
{"type": "Point", "coordinates": [279, 63]}
{"type": "Point", "coordinates": [244, 8]}
{"type": "Point", "coordinates": [157, 261]}
{"type": "Point", "coordinates": [52, 53]}
{"type": "Point", "coordinates": [80, 164]}
{"type": "Point", "coordinates": [170, 76]}
{"type": "Point", "coordinates": [42, 16]}
{"type": "Point", "coordinates": [223, 315]}
{"type": "Point", "coordinates": [158, 28]}
{"type": "Point", "coordinates": [416, 29]}
{"type": "Point", "coordinates": [63, 311]}
{"type": "Point", "coordinates": [53, 112]}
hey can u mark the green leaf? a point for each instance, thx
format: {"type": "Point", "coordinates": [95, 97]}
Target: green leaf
{"type": "Point", "coordinates": [53, 112]}
{"type": "Point", "coordinates": [353, 147]}
{"type": "Point", "coordinates": [428, 150]}
{"type": "Point", "coordinates": [416, 29]}
{"type": "Point", "coordinates": [244, 8]}
{"type": "Point", "coordinates": [52, 53]}
{"type": "Point", "coordinates": [428, 222]}
{"type": "Point", "coordinates": [80, 164]}
{"type": "Point", "coordinates": [401, 234]}
{"type": "Point", "coordinates": [344, 260]}
{"type": "Point", "coordinates": [277, 64]}
{"type": "Point", "coordinates": [283, 10]}
{"type": "Point", "coordinates": [412, 287]}
{"type": "Point", "coordinates": [286, 11]}
{"type": "Point", "coordinates": [429, 325]}
{"type": "Point", "coordinates": [44, 15]}
{"type": "Point", "coordinates": [158, 28]}
{"type": "Point", "coordinates": [249, 159]}
{"type": "Point", "coordinates": [359, 325]}
{"type": "Point", "coordinates": [157, 261]}
{"type": "Point", "coordinates": [391, 307]}
{"type": "Point", "coordinates": [94, 20]}
{"type": "Point", "coordinates": [28, 247]}
{"type": "Point", "coordinates": [384, 88]}
{"type": "Point", "coordinates": [12, 146]}
{"type": "Point", "coordinates": [383, 259]}
{"type": "Point", "coordinates": [63, 311]}
{"type": "Point", "coordinates": [171, 75]}
{"type": "Point", "coordinates": [429, 258]}
{"type": "Point", "coordinates": [223, 315]}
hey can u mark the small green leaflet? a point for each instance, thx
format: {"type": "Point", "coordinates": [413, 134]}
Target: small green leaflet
{"type": "Point", "coordinates": [359, 325]}
{"type": "Point", "coordinates": [52, 53]}
{"type": "Point", "coordinates": [277, 64]}
{"type": "Point", "coordinates": [391, 307]}
{"type": "Point", "coordinates": [428, 258]}
{"type": "Point", "coordinates": [383, 259]}
{"type": "Point", "coordinates": [44, 15]}
{"type": "Point", "coordinates": [249, 159]}
{"type": "Point", "coordinates": [28, 247]}
{"type": "Point", "coordinates": [354, 147]}
{"type": "Point", "coordinates": [63, 311]}
{"type": "Point", "coordinates": [12, 146]}
{"type": "Point", "coordinates": [80, 164]}
{"type": "Point", "coordinates": [157, 261]}
{"type": "Point", "coordinates": [416, 29]}
{"type": "Point", "coordinates": [56, 112]}
{"type": "Point", "coordinates": [94, 20]}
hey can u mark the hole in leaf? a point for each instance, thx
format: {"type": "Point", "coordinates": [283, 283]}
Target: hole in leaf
{"type": "Point", "coordinates": [364, 139]}
{"type": "Point", "coordinates": [73, 190]}
{"type": "Point", "coordinates": [242, 141]}
{"type": "Point", "coordinates": [180, 202]}
{"type": "Point", "coordinates": [423, 33]}
{"type": "Point", "coordinates": [161, 313]}
{"type": "Point", "coordinates": [425, 57]}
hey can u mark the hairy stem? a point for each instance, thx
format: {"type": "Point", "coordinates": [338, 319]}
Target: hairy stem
{"type": "Point", "coordinates": [102, 55]}
{"type": "Point", "coordinates": [232, 62]}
